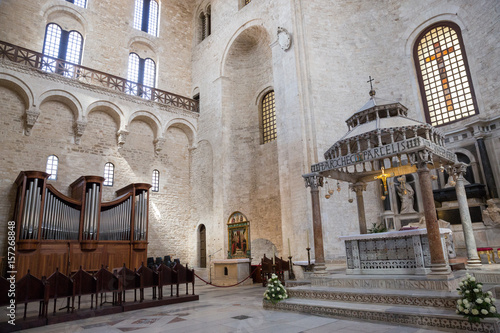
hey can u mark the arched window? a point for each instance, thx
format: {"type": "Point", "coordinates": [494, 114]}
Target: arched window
{"type": "Point", "coordinates": [443, 74]}
{"type": "Point", "coordinates": [146, 16]}
{"type": "Point", "coordinates": [51, 168]}
{"type": "Point", "coordinates": [203, 25]}
{"type": "Point", "coordinates": [143, 72]}
{"type": "Point", "coordinates": [247, 2]}
{"type": "Point", "coordinates": [80, 3]}
{"type": "Point", "coordinates": [268, 118]}
{"type": "Point", "coordinates": [61, 44]}
{"type": "Point", "coordinates": [109, 174]}
{"type": "Point", "coordinates": [155, 181]}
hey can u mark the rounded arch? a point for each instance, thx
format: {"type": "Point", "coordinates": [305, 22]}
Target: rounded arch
{"type": "Point", "coordinates": [66, 98]}
{"type": "Point", "coordinates": [195, 92]}
{"type": "Point", "coordinates": [186, 127]}
{"type": "Point", "coordinates": [144, 47]}
{"type": "Point", "coordinates": [52, 13]}
{"type": "Point", "coordinates": [18, 86]}
{"type": "Point", "coordinates": [257, 23]}
{"type": "Point", "coordinates": [110, 108]}
{"type": "Point", "coordinates": [262, 92]}
{"type": "Point", "coordinates": [150, 119]}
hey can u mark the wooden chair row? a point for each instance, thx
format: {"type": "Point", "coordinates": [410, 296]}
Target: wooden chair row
{"type": "Point", "coordinates": [58, 285]}
{"type": "Point", "coordinates": [280, 266]}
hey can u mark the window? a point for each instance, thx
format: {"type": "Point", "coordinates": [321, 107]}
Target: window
{"type": "Point", "coordinates": [146, 16]}
{"type": "Point", "coordinates": [268, 118]}
{"type": "Point", "coordinates": [443, 75]}
{"type": "Point", "coordinates": [247, 2]}
{"type": "Point", "coordinates": [61, 44]}
{"type": "Point", "coordinates": [143, 72]}
{"type": "Point", "coordinates": [109, 174]}
{"type": "Point", "coordinates": [80, 3]}
{"type": "Point", "coordinates": [52, 163]}
{"type": "Point", "coordinates": [155, 181]}
{"type": "Point", "coordinates": [205, 24]}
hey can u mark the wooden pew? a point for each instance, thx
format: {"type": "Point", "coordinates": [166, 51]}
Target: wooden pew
{"type": "Point", "coordinates": [167, 277]}
{"type": "Point", "coordinates": [84, 284]}
{"type": "Point", "coordinates": [129, 280]}
{"type": "Point", "coordinates": [30, 289]}
{"type": "Point", "coordinates": [184, 275]}
{"type": "Point", "coordinates": [149, 279]}
{"type": "Point", "coordinates": [60, 285]}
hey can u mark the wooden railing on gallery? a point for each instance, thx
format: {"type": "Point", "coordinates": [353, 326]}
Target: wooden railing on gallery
{"type": "Point", "coordinates": [91, 76]}
{"type": "Point", "coordinates": [53, 230]}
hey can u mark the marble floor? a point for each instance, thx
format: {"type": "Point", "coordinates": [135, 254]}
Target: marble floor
{"type": "Point", "coordinates": [219, 310]}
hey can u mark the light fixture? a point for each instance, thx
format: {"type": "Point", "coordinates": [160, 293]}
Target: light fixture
{"type": "Point", "coordinates": [329, 191]}
{"type": "Point", "coordinates": [338, 186]}
{"type": "Point", "coordinates": [441, 168]}
{"type": "Point", "coordinates": [349, 195]}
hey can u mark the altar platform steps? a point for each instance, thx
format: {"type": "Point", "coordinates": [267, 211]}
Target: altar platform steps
{"type": "Point", "coordinates": [435, 318]}
{"type": "Point", "coordinates": [439, 299]}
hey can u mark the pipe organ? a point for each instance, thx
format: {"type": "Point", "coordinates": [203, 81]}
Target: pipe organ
{"type": "Point", "coordinates": [57, 231]}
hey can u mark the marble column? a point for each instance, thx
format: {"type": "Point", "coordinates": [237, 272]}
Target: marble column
{"type": "Point", "coordinates": [488, 171]}
{"type": "Point", "coordinates": [315, 181]}
{"type": "Point", "coordinates": [459, 170]}
{"type": "Point", "coordinates": [438, 262]}
{"type": "Point", "coordinates": [358, 188]}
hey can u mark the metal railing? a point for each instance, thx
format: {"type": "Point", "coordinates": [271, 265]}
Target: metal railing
{"type": "Point", "coordinates": [87, 75]}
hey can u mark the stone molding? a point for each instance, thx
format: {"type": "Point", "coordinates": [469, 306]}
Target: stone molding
{"type": "Point", "coordinates": [31, 118]}
{"type": "Point", "coordinates": [79, 126]}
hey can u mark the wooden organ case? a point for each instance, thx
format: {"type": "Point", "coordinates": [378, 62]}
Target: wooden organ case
{"type": "Point", "coordinates": [56, 231]}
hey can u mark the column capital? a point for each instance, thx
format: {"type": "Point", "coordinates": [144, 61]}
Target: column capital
{"type": "Point", "coordinates": [158, 143]}
{"type": "Point", "coordinates": [31, 118]}
{"type": "Point", "coordinates": [458, 169]}
{"type": "Point", "coordinates": [357, 187]}
{"type": "Point", "coordinates": [79, 127]}
{"type": "Point", "coordinates": [421, 158]}
{"type": "Point", "coordinates": [121, 137]}
{"type": "Point", "coordinates": [313, 180]}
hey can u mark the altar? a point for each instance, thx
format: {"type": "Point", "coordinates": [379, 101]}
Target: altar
{"type": "Point", "coordinates": [396, 252]}
{"type": "Point", "coordinates": [227, 272]}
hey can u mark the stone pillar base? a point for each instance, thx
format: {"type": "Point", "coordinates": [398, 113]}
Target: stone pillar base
{"type": "Point", "coordinates": [440, 270]}
{"type": "Point", "coordinates": [474, 264]}
{"type": "Point", "coordinates": [319, 269]}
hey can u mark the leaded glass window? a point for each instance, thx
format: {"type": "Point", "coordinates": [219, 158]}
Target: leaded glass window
{"type": "Point", "coordinates": [80, 3]}
{"type": "Point", "coordinates": [141, 72]}
{"type": "Point", "coordinates": [444, 76]}
{"type": "Point", "coordinates": [155, 181]}
{"type": "Point", "coordinates": [51, 168]}
{"type": "Point", "coordinates": [146, 16]}
{"type": "Point", "coordinates": [109, 174]}
{"type": "Point", "coordinates": [268, 118]}
{"type": "Point", "coordinates": [61, 44]}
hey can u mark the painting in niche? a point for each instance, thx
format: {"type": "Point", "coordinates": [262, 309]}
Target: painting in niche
{"type": "Point", "coordinates": [238, 228]}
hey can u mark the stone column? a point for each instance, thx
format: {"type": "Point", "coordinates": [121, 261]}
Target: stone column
{"type": "Point", "coordinates": [358, 188]}
{"type": "Point", "coordinates": [314, 181]}
{"type": "Point", "coordinates": [438, 262]}
{"type": "Point", "coordinates": [488, 171]}
{"type": "Point", "coordinates": [459, 171]}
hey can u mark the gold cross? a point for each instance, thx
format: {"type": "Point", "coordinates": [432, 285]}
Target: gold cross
{"type": "Point", "coordinates": [384, 177]}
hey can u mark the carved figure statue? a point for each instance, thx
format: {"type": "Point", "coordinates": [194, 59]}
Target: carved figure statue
{"type": "Point", "coordinates": [406, 195]}
{"type": "Point", "coordinates": [491, 215]}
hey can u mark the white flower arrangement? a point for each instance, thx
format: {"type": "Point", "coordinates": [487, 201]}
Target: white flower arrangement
{"type": "Point", "coordinates": [275, 290]}
{"type": "Point", "coordinates": [475, 304]}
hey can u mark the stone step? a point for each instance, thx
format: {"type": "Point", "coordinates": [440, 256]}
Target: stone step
{"type": "Point", "coordinates": [417, 316]}
{"type": "Point", "coordinates": [440, 299]}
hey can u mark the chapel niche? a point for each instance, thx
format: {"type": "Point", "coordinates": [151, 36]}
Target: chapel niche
{"type": "Point", "coordinates": [238, 231]}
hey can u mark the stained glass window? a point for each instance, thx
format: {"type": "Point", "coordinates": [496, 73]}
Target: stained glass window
{"type": "Point", "coordinates": [268, 118]}
{"type": "Point", "coordinates": [109, 174]}
{"type": "Point", "coordinates": [444, 76]}
{"type": "Point", "coordinates": [51, 168]}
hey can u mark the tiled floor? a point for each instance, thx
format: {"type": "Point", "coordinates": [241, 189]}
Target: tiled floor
{"type": "Point", "coordinates": [219, 310]}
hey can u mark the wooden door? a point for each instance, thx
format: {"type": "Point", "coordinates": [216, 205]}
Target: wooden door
{"type": "Point", "coordinates": [203, 247]}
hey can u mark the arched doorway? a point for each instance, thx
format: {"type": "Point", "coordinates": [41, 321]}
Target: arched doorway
{"type": "Point", "coordinates": [203, 246]}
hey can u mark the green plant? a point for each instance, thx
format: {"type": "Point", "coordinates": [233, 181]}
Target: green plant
{"type": "Point", "coordinates": [275, 291]}
{"type": "Point", "coordinates": [475, 304]}
{"type": "Point", "coordinates": [377, 228]}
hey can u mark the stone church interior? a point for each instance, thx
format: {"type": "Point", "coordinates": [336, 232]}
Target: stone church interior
{"type": "Point", "coordinates": [342, 145]}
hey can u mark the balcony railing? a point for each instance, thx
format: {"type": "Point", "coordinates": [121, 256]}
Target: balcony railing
{"type": "Point", "coordinates": [48, 64]}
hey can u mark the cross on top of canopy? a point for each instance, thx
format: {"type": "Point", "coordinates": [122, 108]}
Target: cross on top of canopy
{"type": "Point", "coordinates": [380, 135]}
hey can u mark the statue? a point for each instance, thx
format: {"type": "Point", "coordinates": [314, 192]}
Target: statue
{"type": "Point", "coordinates": [406, 194]}
{"type": "Point", "coordinates": [491, 215]}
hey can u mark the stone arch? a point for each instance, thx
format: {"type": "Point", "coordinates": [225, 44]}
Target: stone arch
{"type": "Point", "coordinates": [196, 91]}
{"type": "Point", "coordinates": [258, 23]}
{"type": "Point", "coordinates": [66, 98]}
{"type": "Point", "coordinates": [186, 127]}
{"type": "Point", "coordinates": [18, 86]}
{"type": "Point", "coordinates": [57, 12]}
{"type": "Point", "coordinates": [473, 167]}
{"type": "Point", "coordinates": [110, 108]}
{"type": "Point", "coordinates": [261, 93]}
{"type": "Point", "coordinates": [145, 47]}
{"type": "Point", "coordinates": [150, 119]}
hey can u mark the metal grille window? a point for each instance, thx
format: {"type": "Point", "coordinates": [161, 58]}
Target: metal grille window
{"type": "Point", "coordinates": [146, 16]}
{"type": "Point", "coordinates": [51, 168]}
{"type": "Point", "coordinates": [155, 181]}
{"type": "Point", "coordinates": [268, 118]}
{"type": "Point", "coordinates": [143, 72]}
{"type": "Point", "coordinates": [61, 44]}
{"type": "Point", "coordinates": [443, 75]}
{"type": "Point", "coordinates": [247, 2]}
{"type": "Point", "coordinates": [80, 3]}
{"type": "Point", "coordinates": [109, 174]}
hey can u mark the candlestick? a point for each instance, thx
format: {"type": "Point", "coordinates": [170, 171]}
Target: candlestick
{"type": "Point", "coordinates": [289, 251]}
{"type": "Point", "coordinates": [274, 255]}
{"type": "Point", "coordinates": [308, 238]}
